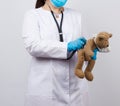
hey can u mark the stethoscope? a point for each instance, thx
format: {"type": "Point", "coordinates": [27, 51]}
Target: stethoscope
{"type": "Point", "coordinates": [60, 30]}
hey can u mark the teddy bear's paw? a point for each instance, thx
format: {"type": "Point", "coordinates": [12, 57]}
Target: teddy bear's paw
{"type": "Point", "coordinates": [88, 76]}
{"type": "Point", "coordinates": [91, 54]}
{"type": "Point", "coordinates": [88, 58]}
{"type": "Point", "coordinates": [79, 73]}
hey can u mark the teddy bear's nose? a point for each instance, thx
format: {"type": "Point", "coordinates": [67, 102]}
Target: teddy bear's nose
{"type": "Point", "coordinates": [107, 45]}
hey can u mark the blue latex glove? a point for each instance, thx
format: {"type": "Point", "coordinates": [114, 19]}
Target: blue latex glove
{"type": "Point", "coordinates": [77, 44]}
{"type": "Point", "coordinates": [94, 57]}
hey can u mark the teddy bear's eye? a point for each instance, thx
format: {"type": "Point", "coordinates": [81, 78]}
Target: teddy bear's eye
{"type": "Point", "coordinates": [100, 38]}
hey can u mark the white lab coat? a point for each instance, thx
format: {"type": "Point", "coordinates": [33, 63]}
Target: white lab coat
{"type": "Point", "coordinates": [51, 80]}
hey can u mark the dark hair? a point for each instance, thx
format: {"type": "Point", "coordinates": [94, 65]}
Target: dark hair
{"type": "Point", "coordinates": [39, 3]}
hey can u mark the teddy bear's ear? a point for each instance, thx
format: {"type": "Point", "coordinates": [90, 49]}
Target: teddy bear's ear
{"type": "Point", "coordinates": [110, 35]}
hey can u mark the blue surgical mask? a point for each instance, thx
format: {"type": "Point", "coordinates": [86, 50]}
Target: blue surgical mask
{"type": "Point", "coordinates": [58, 3]}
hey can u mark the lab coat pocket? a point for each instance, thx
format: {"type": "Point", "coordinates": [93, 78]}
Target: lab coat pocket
{"type": "Point", "coordinates": [40, 78]}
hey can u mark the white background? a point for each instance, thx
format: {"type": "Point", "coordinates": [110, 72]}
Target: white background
{"type": "Point", "coordinates": [102, 15]}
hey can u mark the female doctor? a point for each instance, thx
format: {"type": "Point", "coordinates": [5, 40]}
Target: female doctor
{"type": "Point", "coordinates": [51, 33]}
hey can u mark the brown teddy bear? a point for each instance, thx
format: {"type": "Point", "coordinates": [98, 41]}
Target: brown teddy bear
{"type": "Point", "coordinates": [101, 41]}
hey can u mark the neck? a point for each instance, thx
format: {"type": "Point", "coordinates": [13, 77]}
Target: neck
{"type": "Point", "coordinates": [48, 6]}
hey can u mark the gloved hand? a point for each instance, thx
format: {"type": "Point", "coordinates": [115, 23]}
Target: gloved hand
{"type": "Point", "coordinates": [94, 57]}
{"type": "Point", "coordinates": [77, 44]}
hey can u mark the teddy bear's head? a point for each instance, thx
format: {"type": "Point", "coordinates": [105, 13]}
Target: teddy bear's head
{"type": "Point", "coordinates": [102, 39]}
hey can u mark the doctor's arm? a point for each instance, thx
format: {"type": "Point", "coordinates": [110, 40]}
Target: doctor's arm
{"type": "Point", "coordinates": [36, 46]}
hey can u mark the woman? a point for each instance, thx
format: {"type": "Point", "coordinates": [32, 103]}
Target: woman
{"type": "Point", "coordinates": [51, 33]}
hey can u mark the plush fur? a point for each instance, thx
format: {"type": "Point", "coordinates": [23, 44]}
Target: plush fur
{"type": "Point", "coordinates": [85, 54]}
